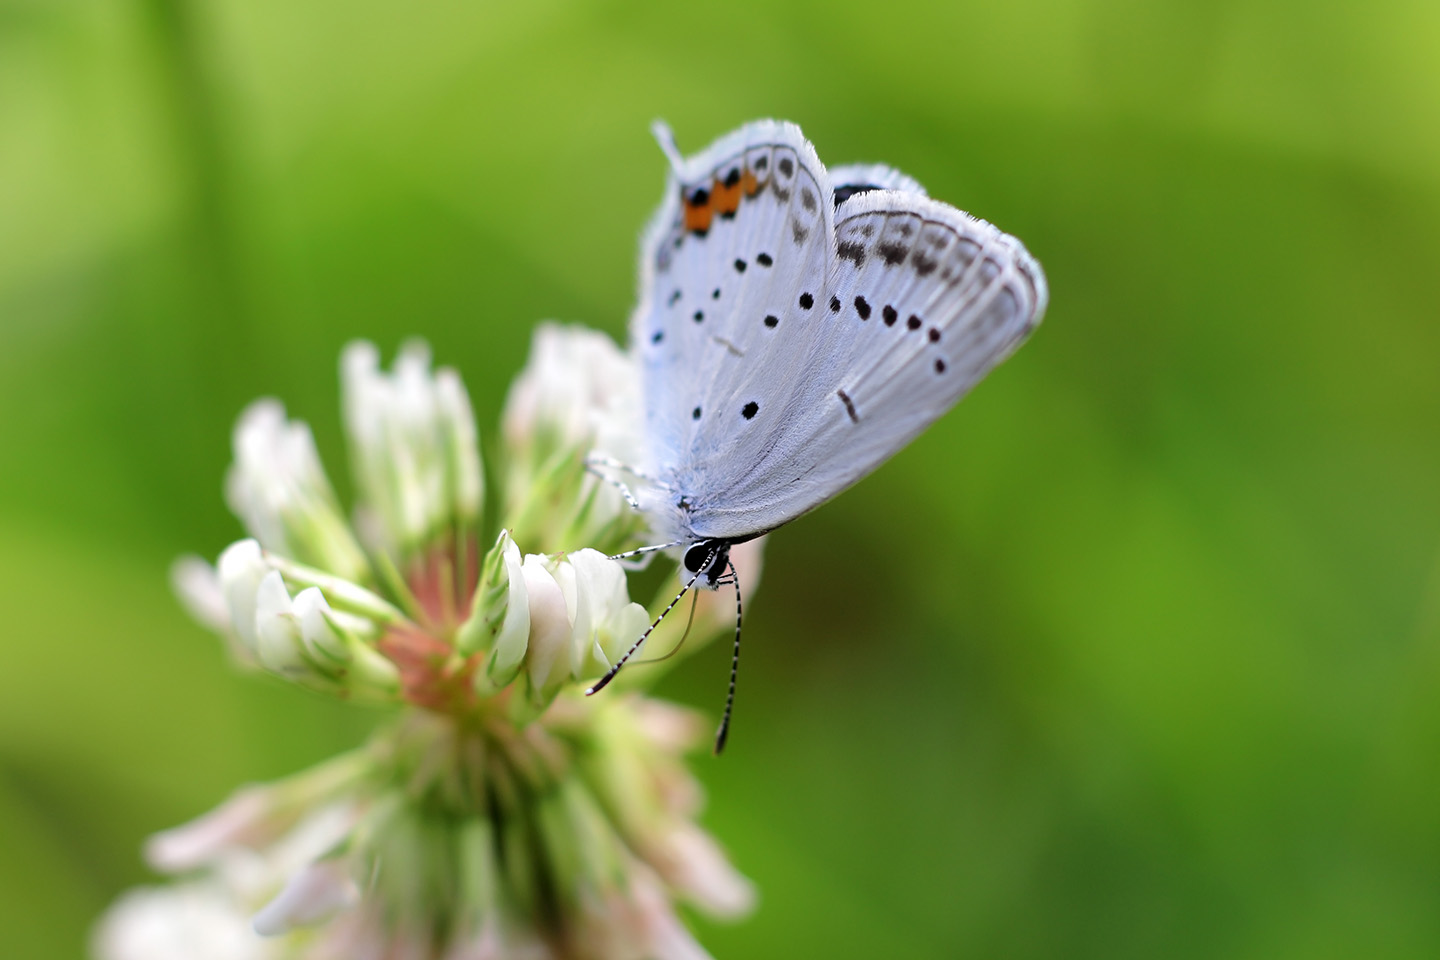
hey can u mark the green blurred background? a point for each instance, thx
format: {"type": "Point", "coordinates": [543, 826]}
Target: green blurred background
{"type": "Point", "coordinates": [1135, 654]}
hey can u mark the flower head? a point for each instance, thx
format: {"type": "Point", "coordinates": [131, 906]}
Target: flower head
{"type": "Point", "coordinates": [498, 813]}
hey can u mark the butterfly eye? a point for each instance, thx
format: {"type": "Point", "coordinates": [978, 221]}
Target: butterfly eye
{"type": "Point", "coordinates": [695, 557]}
{"type": "Point", "coordinates": [707, 557]}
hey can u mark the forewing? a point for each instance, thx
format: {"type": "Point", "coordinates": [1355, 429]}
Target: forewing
{"type": "Point", "coordinates": [744, 230]}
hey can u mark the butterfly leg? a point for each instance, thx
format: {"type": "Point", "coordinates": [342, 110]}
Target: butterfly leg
{"type": "Point", "coordinates": [596, 462]}
{"type": "Point", "coordinates": [610, 463]}
{"type": "Point", "coordinates": [617, 484]}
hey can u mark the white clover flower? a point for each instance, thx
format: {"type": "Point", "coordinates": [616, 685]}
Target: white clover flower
{"type": "Point", "coordinates": [500, 813]}
{"type": "Point", "coordinates": [581, 617]}
{"type": "Point", "coordinates": [577, 398]}
{"type": "Point", "coordinates": [278, 488]}
{"type": "Point", "coordinates": [413, 445]}
{"type": "Point", "coordinates": [605, 620]}
{"type": "Point", "coordinates": [580, 389]}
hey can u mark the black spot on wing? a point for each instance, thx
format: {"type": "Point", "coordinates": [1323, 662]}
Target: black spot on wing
{"type": "Point", "coordinates": [764, 259]}
{"type": "Point", "coordinates": [862, 307]}
{"type": "Point", "coordinates": [806, 301]}
{"type": "Point", "coordinates": [891, 252]}
{"type": "Point", "coordinates": [852, 251]}
{"type": "Point", "coordinates": [750, 409]}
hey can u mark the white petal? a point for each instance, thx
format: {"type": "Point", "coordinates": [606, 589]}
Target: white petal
{"type": "Point", "coordinates": [667, 936]}
{"type": "Point", "coordinates": [277, 629]}
{"type": "Point", "coordinates": [197, 585]}
{"type": "Point", "coordinates": [241, 568]}
{"type": "Point", "coordinates": [315, 894]}
{"type": "Point", "coordinates": [514, 635]}
{"type": "Point", "coordinates": [604, 597]}
{"type": "Point", "coordinates": [695, 865]}
{"type": "Point", "coordinates": [350, 596]}
{"type": "Point", "coordinates": [468, 476]}
{"type": "Point", "coordinates": [577, 611]}
{"type": "Point", "coordinates": [619, 632]}
{"type": "Point", "coordinates": [316, 629]}
{"type": "Point", "coordinates": [200, 841]}
{"type": "Point", "coordinates": [549, 622]}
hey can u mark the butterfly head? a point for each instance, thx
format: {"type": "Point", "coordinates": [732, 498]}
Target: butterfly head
{"type": "Point", "coordinates": [706, 561]}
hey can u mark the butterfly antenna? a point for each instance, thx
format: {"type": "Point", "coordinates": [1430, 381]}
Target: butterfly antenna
{"type": "Point", "coordinates": [663, 136]}
{"type": "Point", "coordinates": [610, 675]}
{"type": "Point", "coordinates": [724, 731]}
{"type": "Point", "coordinates": [694, 602]}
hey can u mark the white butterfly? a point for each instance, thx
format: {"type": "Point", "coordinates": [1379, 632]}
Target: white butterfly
{"type": "Point", "coordinates": [797, 326]}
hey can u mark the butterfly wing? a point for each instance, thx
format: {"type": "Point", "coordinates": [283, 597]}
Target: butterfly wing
{"type": "Point", "coordinates": [743, 224]}
{"type": "Point", "coordinates": [883, 323]}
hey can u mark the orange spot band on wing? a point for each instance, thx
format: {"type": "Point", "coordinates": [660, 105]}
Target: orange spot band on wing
{"type": "Point", "coordinates": [726, 199]}
{"type": "Point", "coordinates": [698, 215]}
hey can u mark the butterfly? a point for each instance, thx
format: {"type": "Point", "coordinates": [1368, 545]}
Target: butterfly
{"type": "Point", "coordinates": [798, 326]}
